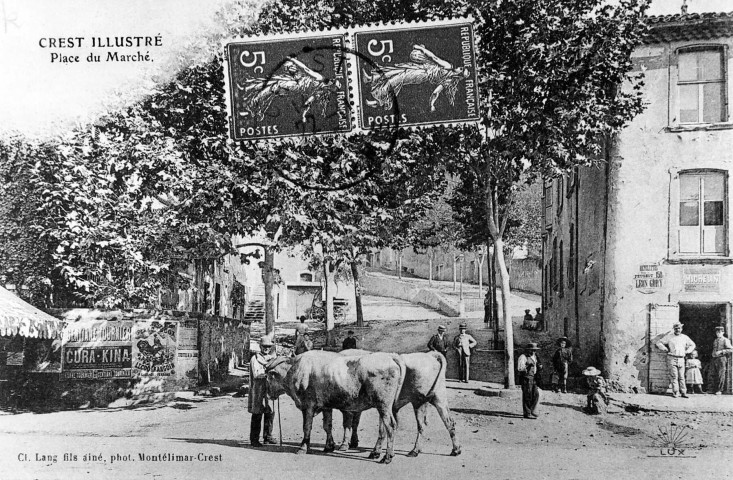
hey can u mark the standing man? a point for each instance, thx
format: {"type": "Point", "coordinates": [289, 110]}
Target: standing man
{"type": "Point", "coordinates": [349, 342]}
{"type": "Point", "coordinates": [528, 365]}
{"type": "Point", "coordinates": [677, 345]}
{"type": "Point", "coordinates": [438, 342]}
{"type": "Point", "coordinates": [721, 349]}
{"type": "Point", "coordinates": [561, 361]}
{"type": "Point", "coordinates": [463, 343]}
{"type": "Point", "coordinates": [258, 404]}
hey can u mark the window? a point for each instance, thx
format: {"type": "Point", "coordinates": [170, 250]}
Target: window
{"type": "Point", "coordinates": [562, 272]}
{"type": "Point", "coordinates": [559, 189]}
{"type": "Point", "coordinates": [306, 277]}
{"type": "Point", "coordinates": [702, 213]}
{"type": "Point", "coordinates": [571, 258]}
{"type": "Point", "coordinates": [553, 265]}
{"type": "Point", "coordinates": [548, 204]}
{"type": "Point", "coordinates": [701, 85]}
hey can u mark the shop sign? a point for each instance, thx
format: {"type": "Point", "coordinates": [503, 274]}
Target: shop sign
{"type": "Point", "coordinates": [701, 279]}
{"type": "Point", "coordinates": [649, 278]}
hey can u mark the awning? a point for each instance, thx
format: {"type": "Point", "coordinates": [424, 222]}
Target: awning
{"type": "Point", "coordinates": [21, 318]}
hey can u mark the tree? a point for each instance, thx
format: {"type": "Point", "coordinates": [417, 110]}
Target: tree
{"type": "Point", "coordinates": [555, 106]}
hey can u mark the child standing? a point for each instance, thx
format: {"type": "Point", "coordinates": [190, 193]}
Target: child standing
{"type": "Point", "coordinates": [693, 375]}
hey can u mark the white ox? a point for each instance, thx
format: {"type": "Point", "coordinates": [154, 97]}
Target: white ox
{"type": "Point", "coordinates": [424, 385]}
{"type": "Point", "coordinates": [319, 381]}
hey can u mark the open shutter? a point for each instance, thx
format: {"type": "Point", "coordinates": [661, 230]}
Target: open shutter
{"type": "Point", "coordinates": [661, 318]}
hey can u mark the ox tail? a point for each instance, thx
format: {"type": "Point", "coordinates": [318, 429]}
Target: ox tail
{"type": "Point", "coordinates": [441, 371]}
{"type": "Point", "coordinates": [403, 373]}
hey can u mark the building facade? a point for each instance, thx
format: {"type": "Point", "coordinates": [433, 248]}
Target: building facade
{"type": "Point", "coordinates": [643, 241]}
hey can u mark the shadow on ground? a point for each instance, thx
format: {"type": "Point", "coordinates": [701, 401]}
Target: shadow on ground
{"type": "Point", "coordinates": [490, 413]}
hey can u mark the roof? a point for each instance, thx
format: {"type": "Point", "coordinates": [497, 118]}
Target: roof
{"type": "Point", "coordinates": [689, 26]}
{"type": "Point", "coordinates": [18, 317]}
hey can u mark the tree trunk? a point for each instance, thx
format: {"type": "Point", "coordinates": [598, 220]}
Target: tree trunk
{"type": "Point", "coordinates": [481, 257]}
{"type": "Point", "coordinates": [430, 268]}
{"type": "Point", "coordinates": [454, 269]}
{"type": "Point", "coordinates": [268, 278]}
{"type": "Point", "coordinates": [399, 264]}
{"type": "Point", "coordinates": [495, 302]}
{"type": "Point", "coordinates": [508, 327]}
{"type": "Point", "coordinates": [357, 293]}
{"type": "Point", "coordinates": [330, 338]}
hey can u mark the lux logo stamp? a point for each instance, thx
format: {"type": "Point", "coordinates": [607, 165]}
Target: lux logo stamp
{"type": "Point", "coordinates": [288, 87]}
{"type": "Point", "coordinates": [417, 75]}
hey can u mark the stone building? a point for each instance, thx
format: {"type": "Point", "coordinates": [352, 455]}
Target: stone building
{"type": "Point", "coordinates": [643, 240]}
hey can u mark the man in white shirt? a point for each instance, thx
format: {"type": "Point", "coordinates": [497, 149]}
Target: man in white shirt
{"type": "Point", "coordinates": [676, 345]}
{"type": "Point", "coordinates": [463, 343]}
{"type": "Point", "coordinates": [528, 367]}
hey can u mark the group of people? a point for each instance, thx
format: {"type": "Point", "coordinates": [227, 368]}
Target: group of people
{"type": "Point", "coordinates": [462, 344]}
{"type": "Point", "coordinates": [685, 370]}
{"type": "Point", "coordinates": [530, 368]}
{"type": "Point", "coordinates": [533, 323]}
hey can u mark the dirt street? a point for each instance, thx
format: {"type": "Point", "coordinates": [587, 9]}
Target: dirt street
{"type": "Point", "coordinates": [209, 436]}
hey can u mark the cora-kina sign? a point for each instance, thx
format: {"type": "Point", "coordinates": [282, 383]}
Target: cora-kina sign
{"type": "Point", "coordinates": [358, 79]}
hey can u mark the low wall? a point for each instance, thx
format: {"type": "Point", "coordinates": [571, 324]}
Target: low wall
{"type": "Point", "coordinates": [384, 286]}
{"type": "Point", "coordinates": [526, 275]}
{"type": "Point", "coordinates": [486, 365]}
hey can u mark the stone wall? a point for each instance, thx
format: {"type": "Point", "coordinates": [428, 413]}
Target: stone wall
{"type": "Point", "coordinates": [384, 286]}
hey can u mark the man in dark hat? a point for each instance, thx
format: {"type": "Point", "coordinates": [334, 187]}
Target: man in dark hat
{"type": "Point", "coordinates": [439, 342]}
{"type": "Point", "coordinates": [721, 349]}
{"type": "Point", "coordinates": [349, 342]}
{"type": "Point", "coordinates": [560, 361]}
{"type": "Point", "coordinates": [528, 365]}
{"type": "Point", "coordinates": [463, 343]}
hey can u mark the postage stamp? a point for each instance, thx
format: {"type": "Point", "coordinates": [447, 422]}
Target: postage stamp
{"type": "Point", "coordinates": [417, 74]}
{"type": "Point", "coordinates": [287, 86]}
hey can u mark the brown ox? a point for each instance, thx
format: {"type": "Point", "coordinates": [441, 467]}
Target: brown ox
{"type": "Point", "coordinates": [424, 385]}
{"type": "Point", "coordinates": [319, 381]}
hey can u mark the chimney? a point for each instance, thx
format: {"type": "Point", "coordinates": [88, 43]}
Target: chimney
{"type": "Point", "coordinates": [684, 7]}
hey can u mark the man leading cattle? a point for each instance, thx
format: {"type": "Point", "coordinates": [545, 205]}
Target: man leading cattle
{"type": "Point", "coordinates": [319, 381]}
{"type": "Point", "coordinates": [257, 404]}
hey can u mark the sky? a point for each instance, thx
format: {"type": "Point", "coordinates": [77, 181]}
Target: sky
{"type": "Point", "coordinates": [43, 96]}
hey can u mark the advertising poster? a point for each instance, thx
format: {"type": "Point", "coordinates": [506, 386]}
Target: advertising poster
{"type": "Point", "coordinates": [97, 350]}
{"type": "Point", "coordinates": [154, 348]}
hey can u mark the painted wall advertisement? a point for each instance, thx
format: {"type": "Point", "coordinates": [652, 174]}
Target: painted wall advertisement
{"type": "Point", "coordinates": [701, 279]}
{"type": "Point", "coordinates": [99, 349]}
{"type": "Point", "coordinates": [649, 278]}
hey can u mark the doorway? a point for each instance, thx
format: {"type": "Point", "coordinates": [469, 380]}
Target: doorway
{"type": "Point", "coordinates": [699, 321]}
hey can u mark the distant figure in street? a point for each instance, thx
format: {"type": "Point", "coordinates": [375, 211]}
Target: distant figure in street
{"type": "Point", "coordinates": [540, 319]}
{"type": "Point", "coordinates": [677, 345]}
{"type": "Point", "coordinates": [463, 343]}
{"type": "Point", "coordinates": [597, 400]}
{"type": "Point", "coordinates": [693, 373]}
{"type": "Point", "coordinates": [302, 340]}
{"type": "Point", "coordinates": [560, 362]}
{"type": "Point", "coordinates": [528, 366]}
{"type": "Point", "coordinates": [721, 349]}
{"type": "Point", "coordinates": [528, 320]}
{"type": "Point", "coordinates": [349, 342]}
{"type": "Point", "coordinates": [257, 403]}
{"type": "Point", "coordinates": [487, 307]}
{"type": "Point", "coordinates": [439, 342]}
